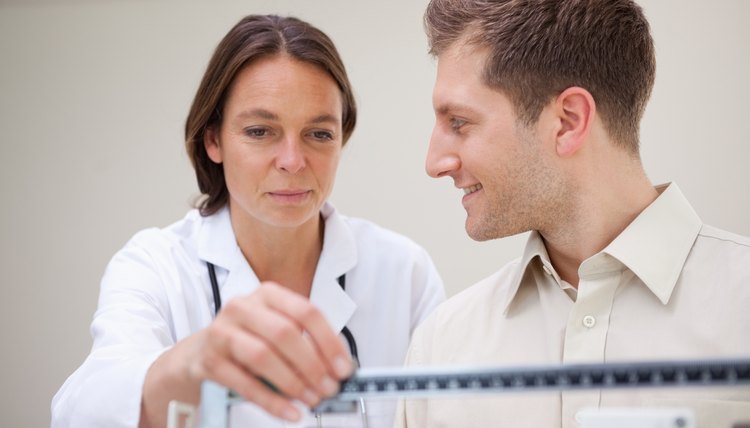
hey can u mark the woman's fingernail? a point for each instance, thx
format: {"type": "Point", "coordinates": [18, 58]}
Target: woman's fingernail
{"type": "Point", "coordinates": [310, 398]}
{"type": "Point", "coordinates": [290, 413]}
{"type": "Point", "coordinates": [342, 366]}
{"type": "Point", "coordinates": [329, 386]}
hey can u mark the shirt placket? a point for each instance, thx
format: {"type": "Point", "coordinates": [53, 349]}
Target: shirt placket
{"type": "Point", "coordinates": [587, 327]}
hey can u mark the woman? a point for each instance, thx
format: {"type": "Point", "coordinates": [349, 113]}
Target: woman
{"type": "Point", "coordinates": [265, 134]}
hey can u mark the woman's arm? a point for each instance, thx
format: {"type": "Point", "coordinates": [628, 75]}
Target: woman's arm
{"type": "Point", "coordinates": [273, 334]}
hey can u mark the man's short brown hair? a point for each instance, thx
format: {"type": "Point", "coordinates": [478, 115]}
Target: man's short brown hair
{"type": "Point", "coordinates": [539, 48]}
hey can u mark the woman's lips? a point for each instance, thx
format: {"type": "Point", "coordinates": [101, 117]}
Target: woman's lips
{"type": "Point", "coordinates": [290, 196]}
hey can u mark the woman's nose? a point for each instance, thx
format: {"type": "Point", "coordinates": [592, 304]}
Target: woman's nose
{"type": "Point", "coordinates": [290, 157]}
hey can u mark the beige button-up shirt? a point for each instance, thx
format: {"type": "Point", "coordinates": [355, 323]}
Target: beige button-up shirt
{"type": "Point", "coordinates": [668, 287]}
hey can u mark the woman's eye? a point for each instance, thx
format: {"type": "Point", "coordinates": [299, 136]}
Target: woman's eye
{"type": "Point", "coordinates": [322, 135]}
{"type": "Point", "coordinates": [257, 132]}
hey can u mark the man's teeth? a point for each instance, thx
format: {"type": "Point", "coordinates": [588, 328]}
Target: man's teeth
{"type": "Point", "coordinates": [472, 189]}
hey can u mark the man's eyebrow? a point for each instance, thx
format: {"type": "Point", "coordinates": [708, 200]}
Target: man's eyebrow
{"type": "Point", "coordinates": [447, 108]}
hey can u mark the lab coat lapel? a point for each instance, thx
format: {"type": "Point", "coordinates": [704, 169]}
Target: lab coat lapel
{"type": "Point", "coordinates": [216, 241]}
{"type": "Point", "coordinates": [218, 245]}
{"type": "Point", "coordinates": [339, 255]}
{"type": "Point", "coordinates": [335, 304]}
{"type": "Point", "coordinates": [241, 279]}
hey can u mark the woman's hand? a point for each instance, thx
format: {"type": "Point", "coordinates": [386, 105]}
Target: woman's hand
{"type": "Point", "coordinates": [279, 336]}
{"type": "Point", "coordinates": [272, 334]}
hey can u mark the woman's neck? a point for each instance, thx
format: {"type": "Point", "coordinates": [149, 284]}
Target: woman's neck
{"type": "Point", "coordinates": [286, 255]}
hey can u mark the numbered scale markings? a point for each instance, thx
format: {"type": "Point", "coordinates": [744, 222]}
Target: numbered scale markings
{"type": "Point", "coordinates": [429, 382]}
{"type": "Point", "coordinates": [426, 382]}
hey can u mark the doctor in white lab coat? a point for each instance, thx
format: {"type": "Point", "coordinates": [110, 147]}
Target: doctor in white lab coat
{"type": "Point", "coordinates": [265, 134]}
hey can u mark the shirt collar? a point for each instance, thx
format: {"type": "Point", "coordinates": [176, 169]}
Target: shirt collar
{"type": "Point", "coordinates": [534, 249]}
{"type": "Point", "coordinates": [217, 244]}
{"type": "Point", "coordinates": [654, 246]}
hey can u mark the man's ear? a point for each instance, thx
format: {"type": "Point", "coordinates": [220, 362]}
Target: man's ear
{"type": "Point", "coordinates": [575, 110]}
{"type": "Point", "coordinates": [211, 143]}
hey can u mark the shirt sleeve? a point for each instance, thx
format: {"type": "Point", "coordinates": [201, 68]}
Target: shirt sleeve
{"type": "Point", "coordinates": [130, 330]}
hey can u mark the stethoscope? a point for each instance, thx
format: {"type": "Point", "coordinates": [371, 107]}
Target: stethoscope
{"type": "Point", "coordinates": [345, 331]}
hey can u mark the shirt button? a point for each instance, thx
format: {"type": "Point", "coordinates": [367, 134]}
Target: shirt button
{"type": "Point", "coordinates": [589, 321]}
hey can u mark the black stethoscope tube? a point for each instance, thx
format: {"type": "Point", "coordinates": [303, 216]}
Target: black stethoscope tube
{"type": "Point", "coordinates": [342, 282]}
{"type": "Point", "coordinates": [214, 288]}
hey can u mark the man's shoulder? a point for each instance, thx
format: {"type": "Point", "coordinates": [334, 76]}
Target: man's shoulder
{"type": "Point", "coordinates": [717, 246]}
{"type": "Point", "coordinates": [710, 233]}
{"type": "Point", "coordinates": [719, 256]}
{"type": "Point", "coordinates": [459, 322]}
{"type": "Point", "coordinates": [483, 297]}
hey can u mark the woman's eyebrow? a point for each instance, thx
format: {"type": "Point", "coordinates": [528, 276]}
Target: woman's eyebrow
{"type": "Point", "coordinates": [258, 113]}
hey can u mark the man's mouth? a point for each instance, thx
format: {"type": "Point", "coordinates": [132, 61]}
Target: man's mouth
{"type": "Point", "coordinates": [472, 189]}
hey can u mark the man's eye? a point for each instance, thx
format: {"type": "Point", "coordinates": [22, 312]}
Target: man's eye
{"type": "Point", "coordinates": [456, 124]}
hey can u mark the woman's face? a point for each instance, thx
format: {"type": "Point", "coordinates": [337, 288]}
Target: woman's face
{"type": "Point", "coordinates": [279, 141]}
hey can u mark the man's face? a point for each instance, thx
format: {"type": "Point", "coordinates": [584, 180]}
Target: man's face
{"type": "Point", "coordinates": [508, 179]}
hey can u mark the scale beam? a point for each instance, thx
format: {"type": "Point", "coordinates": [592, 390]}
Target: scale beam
{"type": "Point", "coordinates": [428, 382]}
{"type": "Point", "coordinates": [434, 381]}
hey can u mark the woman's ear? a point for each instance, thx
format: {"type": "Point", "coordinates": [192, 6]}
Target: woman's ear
{"type": "Point", "coordinates": [575, 109]}
{"type": "Point", "coordinates": [211, 143]}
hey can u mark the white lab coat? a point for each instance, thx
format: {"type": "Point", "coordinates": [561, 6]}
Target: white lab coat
{"type": "Point", "coordinates": [156, 291]}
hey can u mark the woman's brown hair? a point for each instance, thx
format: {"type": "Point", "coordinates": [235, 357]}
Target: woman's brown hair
{"type": "Point", "coordinates": [254, 37]}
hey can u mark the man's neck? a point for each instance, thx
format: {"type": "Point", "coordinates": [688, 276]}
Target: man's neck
{"type": "Point", "coordinates": [604, 210]}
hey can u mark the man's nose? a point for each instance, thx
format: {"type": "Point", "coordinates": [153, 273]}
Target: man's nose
{"type": "Point", "coordinates": [442, 159]}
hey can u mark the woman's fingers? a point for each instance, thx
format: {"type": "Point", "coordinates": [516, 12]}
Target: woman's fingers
{"type": "Point", "coordinates": [278, 336]}
{"type": "Point", "coordinates": [263, 359]}
{"type": "Point", "coordinates": [252, 389]}
{"type": "Point", "coordinates": [311, 321]}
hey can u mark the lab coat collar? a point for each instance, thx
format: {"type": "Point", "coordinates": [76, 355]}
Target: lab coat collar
{"type": "Point", "coordinates": [216, 241]}
{"type": "Point", "coordinates": [217, 244]}
{"type": "Point", "coordinates": [339, 256]}
{"type": "Point", "coordinates": [654, 246]}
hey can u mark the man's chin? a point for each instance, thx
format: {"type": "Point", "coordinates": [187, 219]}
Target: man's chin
{"type": "Point", "coordinates": [478, 233]}
{"type": "Point", "coordinates": [481, 233]}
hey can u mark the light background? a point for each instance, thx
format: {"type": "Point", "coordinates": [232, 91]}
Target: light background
{"type": "Point", "coordinates": [93, 96]}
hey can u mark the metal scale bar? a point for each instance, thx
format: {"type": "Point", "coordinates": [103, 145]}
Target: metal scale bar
{"type": "Point", "coordinates": [426, 382]}
{"type": "Point", "coordinates": [429, 382]}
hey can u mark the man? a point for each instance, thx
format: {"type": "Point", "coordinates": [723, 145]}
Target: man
{"type": "Point", "coordinates": [537, 106]}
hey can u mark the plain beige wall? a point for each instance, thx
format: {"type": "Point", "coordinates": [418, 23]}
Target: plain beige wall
{"type": "Point", "coordinates": [93, 96]}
